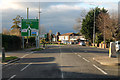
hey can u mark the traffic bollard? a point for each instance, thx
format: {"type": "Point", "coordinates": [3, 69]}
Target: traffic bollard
{"type": "Point", "coordinates": [3, 54]}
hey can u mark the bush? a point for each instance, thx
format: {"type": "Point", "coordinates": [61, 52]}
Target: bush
{"type": "Point", "coordinates": [11, 42]}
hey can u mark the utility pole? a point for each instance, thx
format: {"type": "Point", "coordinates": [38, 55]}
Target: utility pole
{"type": "Point", "coordinates": [39, 26]}
{"type": "Point", "coordinates": [94, 27]}
{"type": "Point", "coordinates": [104, 32]}
{"type": "Point", "coordinates": [94, 30]}
{"type": "Point", "coordinates": [27, 18]}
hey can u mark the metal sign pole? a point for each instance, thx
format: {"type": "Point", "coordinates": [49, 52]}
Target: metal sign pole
{"type": "Point", "coordinates": [23, 41]}
{"type": "Point", "coordinates": [36, 42]}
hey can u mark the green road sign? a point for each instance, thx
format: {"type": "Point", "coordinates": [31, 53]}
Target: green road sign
{"type": "Point", "coordinates": [30, 27]}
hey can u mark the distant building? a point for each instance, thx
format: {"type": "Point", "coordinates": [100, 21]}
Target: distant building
{"type": "Point", "coordinates": [69, 38]}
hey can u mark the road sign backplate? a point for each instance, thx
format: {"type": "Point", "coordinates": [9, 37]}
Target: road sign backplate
{"type": "Point", "coordinates": [30, 26]}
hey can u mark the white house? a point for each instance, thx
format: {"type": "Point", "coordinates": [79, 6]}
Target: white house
{"type": "Point", "coordinates": [70, 37]}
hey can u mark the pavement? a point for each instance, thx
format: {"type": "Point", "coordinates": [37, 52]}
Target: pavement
{"type": "Point", "coordinates": [60, 62]}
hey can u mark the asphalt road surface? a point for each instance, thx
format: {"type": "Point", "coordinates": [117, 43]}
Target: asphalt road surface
{"type": "Point", "coordinates": [60, 62]}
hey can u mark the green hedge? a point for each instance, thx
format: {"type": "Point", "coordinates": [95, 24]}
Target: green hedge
{"type": "Point", "coordinates": [11, 42]}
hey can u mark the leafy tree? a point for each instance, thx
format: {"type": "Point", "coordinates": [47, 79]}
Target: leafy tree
{"type": "Point", "coordinates": [15, 29]}
{"type": "Point", "coordinates": [16, 22]}
{"type": "Point", "coordinates": [88, 23]}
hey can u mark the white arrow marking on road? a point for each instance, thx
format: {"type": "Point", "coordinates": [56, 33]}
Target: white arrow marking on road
{"type": "Point", "coordinates": [99, 69]}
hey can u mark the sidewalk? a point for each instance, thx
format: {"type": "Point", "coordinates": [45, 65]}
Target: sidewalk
{"type": "Point", "coordinates": [105, 60]}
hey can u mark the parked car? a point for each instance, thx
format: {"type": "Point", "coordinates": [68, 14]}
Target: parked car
{"type": "Point", "coordinates": [117, 46]}
{"type": "Point", "coordinates": [82, 43]}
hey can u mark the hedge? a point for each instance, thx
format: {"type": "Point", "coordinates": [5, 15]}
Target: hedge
{"type": "Point", "coordinates": [11, 42]}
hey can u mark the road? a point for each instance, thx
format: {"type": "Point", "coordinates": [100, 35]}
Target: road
{"type": "Point", "coordinates": [60, 62]}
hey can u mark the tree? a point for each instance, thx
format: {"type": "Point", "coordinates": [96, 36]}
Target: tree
{"type": "Point", "coordinates": [88, 23]}
{"type": "Point", "coordinates": [5, 31]}
{"type": "Point", "coordinates": [16, 22]}
{"type": "Point", "coordinates": [15, 29]}
{"type": "Point", "coordinates": [78, 26]}
{"type": "Point", "coordinates": [108, 26]}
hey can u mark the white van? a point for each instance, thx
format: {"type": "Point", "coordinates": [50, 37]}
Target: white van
{"type": "Point", "coordinates": [117, 46]}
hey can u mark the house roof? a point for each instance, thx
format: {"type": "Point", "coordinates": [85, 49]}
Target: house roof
{"type": "Point", "coordinates": [69, 34]}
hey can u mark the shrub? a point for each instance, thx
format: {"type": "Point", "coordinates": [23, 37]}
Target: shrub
{"type": "Point", "coordinates": [11, 42]}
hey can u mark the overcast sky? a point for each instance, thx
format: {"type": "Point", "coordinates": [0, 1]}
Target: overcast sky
{"type": "Point", "coordinates": [56, 16]}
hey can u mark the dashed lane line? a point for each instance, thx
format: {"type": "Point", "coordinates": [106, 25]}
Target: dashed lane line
{"type": "Point", "coordinates": [86, 60]}
{"type": "Point", "coordinates": [26, 67]}
{"type": "Point", "coordinates": [79, 55]}
{"type": "Point", "coordinates": [11, 77]}
{"type": "Point", "coordinates": [99, 69]}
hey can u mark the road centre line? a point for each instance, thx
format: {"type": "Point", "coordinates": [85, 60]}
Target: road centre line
{"type": "Point", "coordinates": [11, 77]}
{"type": "Point", "coordinates": [86, 60]}
{"type": "Point", "coordinates": [62, 76]}
{"type": "Point", "coordinates": [26, 67]}
{"type": "Point", "coordinates": [99, 69]}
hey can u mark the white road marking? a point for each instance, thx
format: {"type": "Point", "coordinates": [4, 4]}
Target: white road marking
{"type": "Point", "coordinates": [26, 67]}
{"type": "Point", "coordinates": [86, 60]}
{"type": "Point", "coordinates": [11, 77]}
{"type": "Point", "coordinates": [79, 55]}
{"type": "Point", "coordinates": [99, 69]}
{"type": "Point", "coordinates": [24, 55]}
{"type": "Point", "coordinates": [62, 76]}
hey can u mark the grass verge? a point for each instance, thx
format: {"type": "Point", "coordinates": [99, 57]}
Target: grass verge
{"type": "Point", "coordinates": [38, 49]}
{"type": "Point", "coordinates": [9, 58]}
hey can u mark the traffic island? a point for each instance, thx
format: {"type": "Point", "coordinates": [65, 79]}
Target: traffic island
{"type": "Point", "coordinates": [10, 59]}
{"type": "Point", "coordinates": [107, 61]}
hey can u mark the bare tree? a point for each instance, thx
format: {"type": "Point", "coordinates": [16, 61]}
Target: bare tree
{"type": "Point", "coordinates": [5, 31]}
{"type": "Point", "coordinates": [107, 25]}
{"type": "Point", "coordinates": [78, 26]}
{"type": "Point", "coordinates": [42, 29]}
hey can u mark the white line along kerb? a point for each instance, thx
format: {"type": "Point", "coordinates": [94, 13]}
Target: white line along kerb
{"type": "Point", "coordinates": [26, 67]}
{"type": "Point", "coordinates": [99, 69]}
